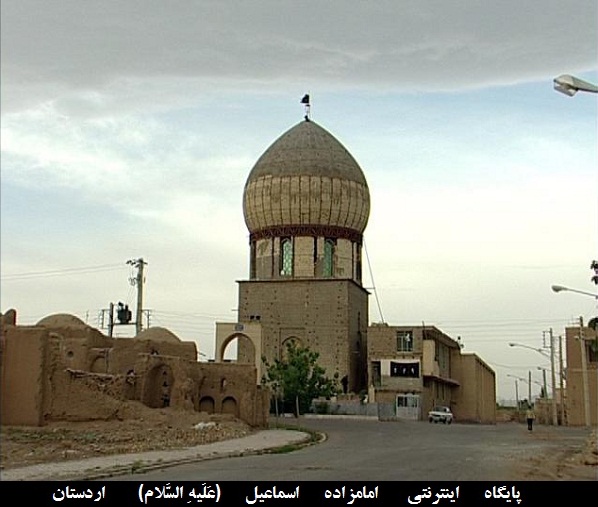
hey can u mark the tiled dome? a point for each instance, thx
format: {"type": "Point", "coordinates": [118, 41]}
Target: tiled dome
{"type": "Point", "coordinates": [306, 178]}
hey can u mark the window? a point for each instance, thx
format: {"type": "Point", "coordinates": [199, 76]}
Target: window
{"type": "Point", "coordinates": [286, 257]}
{"type": "Point", "coordinates": [252, 272]}
{"type": "Point", "coordinates": [329, 257]}
{"type": "Point", "coordinates": [404, 370]}
{"type": "Point", "coordinates": [592, 351]}
{"type": "Point", "coordinates": [376, 374]}
{"type": "Point", "coordinates": [404, 341]}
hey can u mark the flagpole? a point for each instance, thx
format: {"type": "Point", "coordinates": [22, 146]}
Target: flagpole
{"type": "Point", "coordinates": [306, 102]}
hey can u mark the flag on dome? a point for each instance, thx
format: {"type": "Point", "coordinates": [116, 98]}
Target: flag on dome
{"type": "Point", "coordinates": [305, 99]}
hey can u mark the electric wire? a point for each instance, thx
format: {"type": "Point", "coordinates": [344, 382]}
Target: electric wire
{"type": "Point", "coordinates": [373, 282]}
{"type": "Point", "coordinates": [61, 272]}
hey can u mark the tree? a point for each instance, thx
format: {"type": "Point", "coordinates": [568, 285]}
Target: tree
{"type": "Point", "coordinates": [298, 379]}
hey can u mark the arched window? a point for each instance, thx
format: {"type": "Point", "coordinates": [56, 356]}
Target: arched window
{"type": "Point", "coordinates": [286, 257]}
{"type": "Point", "coordinates": [292, 342]}
{"type": "Point", "coordinates": [329, 257]}
{"type": "Point", "coordinates": [252, 261]}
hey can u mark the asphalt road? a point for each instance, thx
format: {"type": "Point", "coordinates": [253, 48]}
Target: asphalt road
{"type": "Point", "coordinates": [370, 450]}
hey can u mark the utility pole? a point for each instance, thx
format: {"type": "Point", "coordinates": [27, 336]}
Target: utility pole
{"type": "Point", "coordinates": [584, 373]}
{"type": "Point", "coordinates": [110, 313]}
{"type": "Point", "coordinates": [529, 388]}
{"type": "Point", "coordinates": [111, 320]}
{"type": "Point", "coordinates": [544, 387]}
{"type": "Point", "coordinates": [562, 383]}
{"type": "Point", "coordinates": [553, 380]}
{"type": "Point", "coordinates": [138, 281]}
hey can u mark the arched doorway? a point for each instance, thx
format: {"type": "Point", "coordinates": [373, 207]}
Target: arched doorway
{"type": "Point", "coordinates": [247, 337]}
{"type": "Point", "coordinates": [245, 348]}
{"type": "Point", "coordinates": [158, 386]}
{"type": "Point", "coordinates": [99, 364]}
{"type": "Point", "coordinates": [206, 404]}
{"type": "Point", "coordinates": [229, 406]}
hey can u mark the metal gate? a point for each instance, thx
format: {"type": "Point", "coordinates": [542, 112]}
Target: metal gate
{"type": "Point", "coordinates": [408, 406]}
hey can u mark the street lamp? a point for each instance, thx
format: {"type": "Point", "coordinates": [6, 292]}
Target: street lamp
{"type": "Point", "coordinates": [583, 355]}
{"type": "Point", "coordinates": [551, 357]}
{"type": "Point", "coordinates": [516, 392]}
{"type": "Point", "coordinates": [560, 288]}
{"type": "Point", "coordinates": [529, 385]}
{"type": "Point", "coordinates": [570, 85]}
{"type": "Point", "coordinates": [540, 351]}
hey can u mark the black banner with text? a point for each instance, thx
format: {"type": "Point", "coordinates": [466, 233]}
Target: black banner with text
{"type": "Point", "coordinates": [312, 493]}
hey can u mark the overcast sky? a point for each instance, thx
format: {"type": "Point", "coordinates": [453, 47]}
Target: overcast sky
{"type": "Point", "coordinates": [129, 129]}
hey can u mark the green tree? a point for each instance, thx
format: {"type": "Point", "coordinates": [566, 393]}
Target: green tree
{"type": "Point", "coordinates": [297, 379]}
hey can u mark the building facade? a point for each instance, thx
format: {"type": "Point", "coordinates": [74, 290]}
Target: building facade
{"type": "Point", "coordinates": [306, 204]}
{"type": "Point", "coordinates": [64, 370]}
{"type": "Point", "coordinates": [413, 368]}
{"type": "Point", "coordinates": [581, 393]}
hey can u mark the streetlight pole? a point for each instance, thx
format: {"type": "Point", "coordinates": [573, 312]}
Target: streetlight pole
{"type": "Point", "coordinates": [584, 359]}
{"type": "Point", "coordinates": [584, 373]}
{"type": "Point", "coordinates": [526, 380]}
{"type": "Point", "coordinates": [570, 85]}
{"type": "Point", "coordinates": [538, 350]}
{"type": "Point", "coordinates": [516, 395]}
{"type": "Point", "coordinates": [560, 288]}
{"type": "Point", "coordinates": [555, 419]}
{"type": "Point", "coordinates": [562, 384]}
{"type": "Point", "coordinates": [552, 373]}
{"type": "Point", "coordinates": [545, 395]}
{"type": "Point", "coordinates": [529, 388]}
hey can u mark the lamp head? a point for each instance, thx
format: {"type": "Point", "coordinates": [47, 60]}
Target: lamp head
{"type": "Point", "coordinates": [558, 288]}
{"type": "Point", "coordinates": [570, 85]}
{"type": "Point", "coordinates": [564, 84]}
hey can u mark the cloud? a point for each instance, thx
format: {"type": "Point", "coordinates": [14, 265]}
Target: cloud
{"type": "Point", "coordinates": [94, 51]}
{"type": "Point", "coordinates": [129, 129]}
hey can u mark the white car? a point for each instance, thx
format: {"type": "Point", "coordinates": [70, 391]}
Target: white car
{"type": "Point", "coordinates": [440, 414]}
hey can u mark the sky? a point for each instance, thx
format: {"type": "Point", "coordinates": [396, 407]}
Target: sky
{"type": "Point", "coordinates": [128, 130]}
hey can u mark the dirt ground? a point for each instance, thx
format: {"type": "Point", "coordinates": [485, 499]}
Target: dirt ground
{"type": "Point", "coordinates": [567, 464]}
{"type": "Point", "coordinates": [139, 429]}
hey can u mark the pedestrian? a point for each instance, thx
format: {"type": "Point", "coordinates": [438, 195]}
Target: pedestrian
{"type": "Point", "coordinates": [530, 416]}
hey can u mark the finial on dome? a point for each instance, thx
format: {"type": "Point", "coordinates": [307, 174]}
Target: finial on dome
{"type": "Point", "coordinates": [305, 101]}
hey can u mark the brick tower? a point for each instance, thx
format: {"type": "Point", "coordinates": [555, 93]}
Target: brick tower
{"type": "Point", "coordinates": [306, 204]}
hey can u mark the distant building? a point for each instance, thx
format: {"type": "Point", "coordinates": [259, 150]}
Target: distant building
{"type": "Point", "coordinates": [581, 393]}
{"type": "Point", "coordinates": [413, 368]}
{"type": "Point", "coordinates": [306, 204]}
{"type": "Point", "coordinates": [64, 370]}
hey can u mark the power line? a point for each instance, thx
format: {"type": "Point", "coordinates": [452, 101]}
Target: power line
{"type": "Point", "coordinates": [61, 272]}
{"type": "Point", "coordinates": [373, 283]}
{"type": "Point", "coordinates": [193, 315]}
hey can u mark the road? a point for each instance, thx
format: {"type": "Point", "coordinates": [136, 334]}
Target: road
{"type": "Point", "coordinates": [370, 450]}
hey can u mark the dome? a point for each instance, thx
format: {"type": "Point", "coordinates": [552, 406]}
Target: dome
{"type": "Point", "coordinates": [61, 320]}
{"type": "Point", "coordinates": [306, 179]}
{"type": "Point", "coordinates": [158, 334]}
